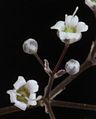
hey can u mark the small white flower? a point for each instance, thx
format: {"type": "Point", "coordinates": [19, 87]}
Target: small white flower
{"type": "Point", "coordinates": [70, 29]}
{"type": "Point", "coordinates": [72, 67]}
{"type": "Point", "coordinates": [30, 46]}
{"type": "Point", "coordinates": [24, 93]}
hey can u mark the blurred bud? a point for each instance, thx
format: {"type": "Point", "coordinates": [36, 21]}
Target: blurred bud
{"type": "Point", "coordinates": [60, 73]}
{"type": "Point", "coordinates": [30, 46]}
{"type": "Point", "coordinates": [91, 4]}
{"type": "Point", "coordinates": [72, 67]}
{"type": "Point", "coordinates": [46, 67]}
{"type": "Point", "coordinates": [92, 54]}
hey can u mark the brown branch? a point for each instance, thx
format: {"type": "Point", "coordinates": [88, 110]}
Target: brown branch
{"type": "Point", "coordinates": [60, 87]}
{"type": "Point", "coordinates": [73, 105]}
{"type": "Point", "coordinates": [8, 110]}
{"type": "Point", "coordinates": [51, 78]}
{"type": "Point", "coordinates": [61, 57]}
{"type": "Point", "coordinates": [49, 109]}
{"type": "Point", "coordinates": [11, 109]}
{"type": "Point", "coordinates": [39, 60]}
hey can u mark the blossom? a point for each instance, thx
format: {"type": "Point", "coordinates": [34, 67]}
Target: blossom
{"type": "Point", "coordinates": [30, 46]}
{"type": "Point", "coordinates": [70, 29]}
{"type": "Point", "coordinates": [91, 4]}
{"type": "Point", "coordinates": [24, 93]}
{"type": "Point", "coordinates": [72, 67]}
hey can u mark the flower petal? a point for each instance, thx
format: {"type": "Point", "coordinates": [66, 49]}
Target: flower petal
{"type": "Point", "coordinates": [20, 105]}
{"type": "Point", "coordinates": [32, 86]}
{"type": "Point", "coordinates": [32, 102]}
{"type": "Point", "coordinates": [81, 27]}
{"type": "Point", "coordinates": [71, 20]}
{"type": "Point", "coordinates": [32, 96]}
{"type": "Point", "coordinates": [12, 94]}
{"type": "Point", "coordinates": [74, 21]}
{"type": "Point", "coordinates": [20, 82]}
{"type": "Point", "coordinates": [71, 37]}
{"type": "Point", "coordinates": [59, 25]}
{"type": "Point", "coordinates": [61, 35]}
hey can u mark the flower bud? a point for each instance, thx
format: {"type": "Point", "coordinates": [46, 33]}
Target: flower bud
{"type": "Point", "coordinates": [91, 4]}
{"type": "Point", "coordinates": [30, 46]}
{"type": "Point", "coordinates": [72, 67]}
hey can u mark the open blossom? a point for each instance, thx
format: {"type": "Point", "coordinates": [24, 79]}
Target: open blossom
{"type": "Point", "coordinates": [24, 93]}
{"type": "Point", "coordinates": [70, 29]}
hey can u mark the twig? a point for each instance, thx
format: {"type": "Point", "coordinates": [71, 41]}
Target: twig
{"type": "Point", "coordinates": [73, 105]}
{"type": "Point", "coordinates": [50, 111]}
{"type": "Point", "coordinates": [39, 60]}
{"type": "Point", "coordinates": [60, 87]}
{"type": "Point", "coordinates": [61, 57]}
{"type": "Point", "coordinates": [51, 78]}
{"type": "Point", "coordinates": [8, 110]}
{"type": "Point", "coordinates": [48, 87]}
{"type": "Point", "coordinates": [11, 109]}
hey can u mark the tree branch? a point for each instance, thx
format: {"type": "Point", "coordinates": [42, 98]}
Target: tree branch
{"type": "Point", "coordinates": [60, 87]}
{"type": "Point", "coordinates": [74, 105]}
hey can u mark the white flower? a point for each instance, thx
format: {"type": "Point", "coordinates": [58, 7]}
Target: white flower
{"type": "Point", "coordinates": [30, 46]}
{"type": "Point", "coordinates": [70, 29]}
{"type": "Point", "coordinates": [72, 67]}
{"type": "Point", "coordinates": [24, 93]}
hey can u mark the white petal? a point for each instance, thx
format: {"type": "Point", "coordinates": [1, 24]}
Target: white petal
{"type": "Point", "coordinates": [61, 35]}
{"type": "Point", "coordinates": [20, 82]}
{"type": "Point", "coordinates": [73, 37]}
{"type": "Point", "coordinates": [12, 94]}
{"type": "Point", "coordinates": [32, 102]}
{"type": "Point", "coordinates": [59, 25]}
{"type": "Point", "coordinates": [20, 105]}
{"type": "Point", "coordinates": [74, 21]}
{"type": "Point", "coordinates": [32, 96]}
{"type": "Point", "coordinates": [32, 86]}
{"type": "Point", "coordinates": [68, 19]}
{"type": "Point", "coordinates": [81, 27]}
{"type": "Point", "coordinates": [71, 20]}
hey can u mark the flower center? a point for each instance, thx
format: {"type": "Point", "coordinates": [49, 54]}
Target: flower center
{"type": "Point", "coordinates": [70, 29]}
{"type": "Point", "coordinates": [24, 94]}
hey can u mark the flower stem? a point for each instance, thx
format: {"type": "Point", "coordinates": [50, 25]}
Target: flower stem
{"type": "Point", "coordinates": [50, 111]}
{"type": "Point", "coordinates": [61, 58]}
{"type": "Point", "coordinates": [51, 78]}
{"type": "Point", "coordinates": [39, 60]}
{"type": "Point", "coordinates": [51, 114]}
{"type": "Point", "coordinates": [60, 87]}
{"type": "Point", "coordinates": [73, 105]}
{"type": "Point", "coordinates": [11, 109]}
{"type": "Point", "coordinates": [48, 87]}
{"type": "Point", "coordinates": [8, 110]}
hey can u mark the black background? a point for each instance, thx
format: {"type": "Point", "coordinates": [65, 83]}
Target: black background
{"type": "Point", "coordinates": [23, 19]}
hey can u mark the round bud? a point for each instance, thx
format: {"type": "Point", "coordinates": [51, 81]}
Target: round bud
{"type": "Point", "coordinates": [72, 67]}
{"type": "Point", "coordinates": [30, 46]}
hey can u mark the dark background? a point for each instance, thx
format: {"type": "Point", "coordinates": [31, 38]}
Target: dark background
{"type": "Point", "coordinates": [23, 19]}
